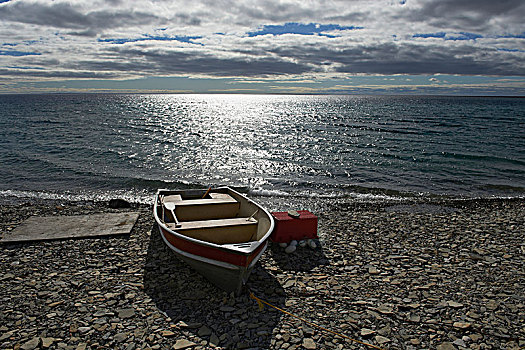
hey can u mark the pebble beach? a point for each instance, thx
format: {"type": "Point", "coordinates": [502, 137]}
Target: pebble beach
{"type": "Point", "coordinates": [443, 274]}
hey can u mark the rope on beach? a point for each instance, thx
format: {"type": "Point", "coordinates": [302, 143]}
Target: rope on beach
{"type": "Point", "coordinates": [261, 304]}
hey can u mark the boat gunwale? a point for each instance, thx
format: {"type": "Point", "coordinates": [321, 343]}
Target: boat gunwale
{"type": "Point", "coordinates": [230, 248]}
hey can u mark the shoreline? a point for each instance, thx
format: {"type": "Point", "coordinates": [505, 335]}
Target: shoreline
{"type": "Point", "coordinates": [444, 274]}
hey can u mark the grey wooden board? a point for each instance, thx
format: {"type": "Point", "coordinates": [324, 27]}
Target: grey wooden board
{"type": "Point", "coordinates": [38, 228]}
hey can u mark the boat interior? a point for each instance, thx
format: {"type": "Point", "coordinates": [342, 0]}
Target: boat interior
{"type": "Point", "coordinates": [219, 216]}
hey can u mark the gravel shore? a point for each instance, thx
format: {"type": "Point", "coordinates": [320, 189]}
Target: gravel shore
{"type": "Point", "coordinates": [443, 275]}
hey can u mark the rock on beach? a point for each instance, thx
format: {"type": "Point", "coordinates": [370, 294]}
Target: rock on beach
{"type": "Point", "coordinates": [443, 275]}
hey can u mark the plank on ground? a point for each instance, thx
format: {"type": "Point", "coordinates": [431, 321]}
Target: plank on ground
{"type": "Point", "coordinates": [39, 228]}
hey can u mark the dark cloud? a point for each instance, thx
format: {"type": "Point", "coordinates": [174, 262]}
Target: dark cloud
{"type": "Point", "coordinates": [481, 8]}
{"type": "Point", "coordinates": [182, 39]}
{"type": "Point", "coordinates": [61, 15]}
{"type": "Point", "coordinates": [122, 62]}
{"type": "Point", "coordinates": [57, 74]}
{"type": "Point", "coordinates": [67, 16]}
{"type": "Point", "coordinates": [407, 59]}
{"type": "Point", "coordinates": [270, 11]}
{"type": "Point", "coordinates": [469, 14]}
{"type": "Point", "coordinates": [165, 62]}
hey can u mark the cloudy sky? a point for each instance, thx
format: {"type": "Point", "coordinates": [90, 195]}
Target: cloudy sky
{"type": "Point", "coordinates": [264, 46]}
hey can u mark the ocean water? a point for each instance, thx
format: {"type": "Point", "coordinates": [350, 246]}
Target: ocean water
{"type": "Point", "coordinates": [100, 146]}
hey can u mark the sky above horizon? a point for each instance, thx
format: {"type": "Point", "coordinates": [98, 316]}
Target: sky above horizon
{"type": "Point", "coordinates": [453, 47]}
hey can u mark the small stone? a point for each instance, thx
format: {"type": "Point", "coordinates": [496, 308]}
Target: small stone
{"type": "Point", "coordinates": [120, 337]}
{"type": "Point", "coordinates": [126, 313]}
{"type": "Point", "coordinates": [415, 341]}
{"type": "Point", "coordinates": [312, 244]}
{"type": "Point", "coordinates": [204, 331]}
{"type": "Point", "coordinates": [283, 244]}
{"type": "Point", "coordinates": [309, 343]}
{"type": "Point", "coordinates": [308, 331]}
{"type": "Point", "coordinates": [31, 344]}
{"type": "Point", "coordinates": [101, 313]}
{"type": "Point", "coordinates": [462, 325]}
{"type": "Point", "coordinates": [385, 309]}
{"type": "Point", "coordinates": [413, 305]}
{"type": "Point", "coordinates": [475, 337]}
{"type": "Point", "coordinates": [460, 342]}
{"type": "Point", "coordinates": [290, 249]}
{"type": "Point", "coordinates": [289, 283]}
{"type": "Point", "coordinates": [365, 332]}
{"type": "Point", "coordinates": [183, 324]}
{"type": "Point", "coordinates": [294, 242]}
{"type": "Point", "coordinates": [47, 342]}
{"type": "Point", "coordinates": [454, 304]}
{"type": "Point", "coordinates": [492, 305]}
{"type": "Point", "coordinates": [472, 314]}
{"type": "Point", "coordinates": [446, 346]}
{"type": "Point", "coordinates": [167, 334]}
{"type": "Point", "coordinates": [373, 270]}
{"type": "Point", "coordinates": [414, 317]}
{"type": "Point", "coordinates": [294, 214]}
{"type": "Point", "coordinates": [183, 344]}
{"type": "Point", "coordinates": [81, 346]}
{"type": "Point", "coordinates": [382, 340]}
{"type": "Point", "coordinates": [6, 335]}
{"type": "Point", "coordinates": [84, 330]}
{"type": "Point", "coordinates": [56, 303]}
{"type": "Point", "coordinates": [227, 309]}
{"type": "Point", "coordinates": [214, 340]}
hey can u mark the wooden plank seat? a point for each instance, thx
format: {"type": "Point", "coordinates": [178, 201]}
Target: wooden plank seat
{"type": "Point", "coordinates": [218, 206]}
{"type": "Point", "coordinates": [219, 231]}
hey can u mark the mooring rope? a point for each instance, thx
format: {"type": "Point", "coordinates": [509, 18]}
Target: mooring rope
{"type": "Point", "coordinates": [261, 304]}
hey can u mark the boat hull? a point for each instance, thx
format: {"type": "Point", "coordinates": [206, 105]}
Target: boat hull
{"type": "Point", "coordinates": [227, 266]}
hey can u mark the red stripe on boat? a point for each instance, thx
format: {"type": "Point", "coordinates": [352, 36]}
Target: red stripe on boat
{"type": "Point", "coordinates": [211, 252]}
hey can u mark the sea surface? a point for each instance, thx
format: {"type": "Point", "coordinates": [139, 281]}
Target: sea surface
{"type": "Point", "coordinates": [353, 148]}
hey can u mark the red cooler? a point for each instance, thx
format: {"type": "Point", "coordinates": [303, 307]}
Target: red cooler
{"type": "Point", "coordinates": [300, 224]}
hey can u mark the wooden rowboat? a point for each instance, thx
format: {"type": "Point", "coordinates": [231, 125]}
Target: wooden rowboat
{"type": "Point", "coordinates": [219, 232]}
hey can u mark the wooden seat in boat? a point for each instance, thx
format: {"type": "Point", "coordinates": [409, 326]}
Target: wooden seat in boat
{"type": "Point", "coordinates": [218, 206]}
{"type": "Point", "coordinates": [219, 231]}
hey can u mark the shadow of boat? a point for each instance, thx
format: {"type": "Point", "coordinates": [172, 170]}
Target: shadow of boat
{"type": "Point", "coordinates": [304, 259]}
{"type": "Point", "coordinates": [204, 312]}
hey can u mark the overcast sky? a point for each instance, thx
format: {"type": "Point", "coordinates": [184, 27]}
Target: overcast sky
{"type": "Point", "coordinates": [264, 46]}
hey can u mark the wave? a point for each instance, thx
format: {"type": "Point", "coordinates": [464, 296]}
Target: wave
{"type": "Point", "coordinates": [130, 196]}
{"type": "Point", "coordinates": [337, 192]}
{"type": "Point", "coordinates": [46, 121]}
{"type": "Point", "coordinates": [268, 193]}
{"type": "Point", "coordinates": [480, 157]}
{"type": "Point", "coordinates": [506, 188]}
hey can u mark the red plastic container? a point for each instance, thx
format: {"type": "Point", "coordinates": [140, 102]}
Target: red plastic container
{"type": "Point", "coordinates": [288, 228]}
